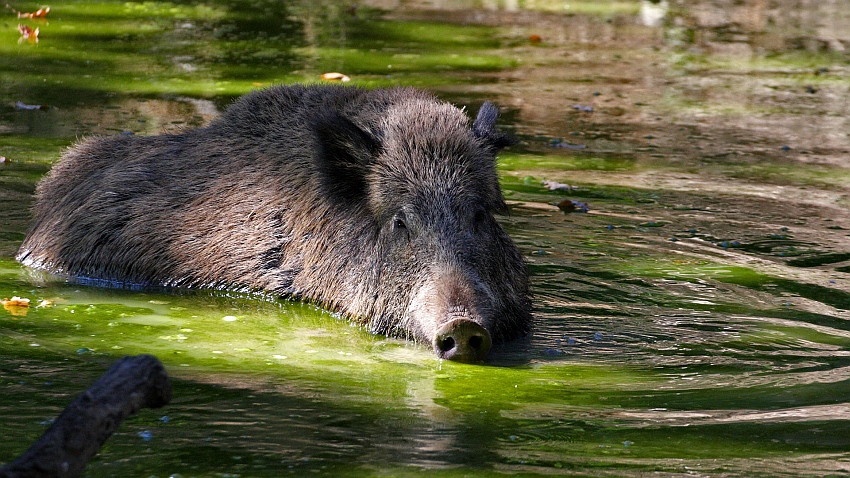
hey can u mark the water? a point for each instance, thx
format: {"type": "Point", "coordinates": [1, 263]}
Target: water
{"type": "Point", "coordinates": [693, 321]}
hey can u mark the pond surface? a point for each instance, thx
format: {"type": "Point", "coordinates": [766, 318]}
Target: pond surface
{"type": "Point", "coordinates": [694, 321]}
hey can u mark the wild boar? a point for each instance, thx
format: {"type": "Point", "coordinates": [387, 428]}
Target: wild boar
{"type": "Point", "coordinates": [378, 204]}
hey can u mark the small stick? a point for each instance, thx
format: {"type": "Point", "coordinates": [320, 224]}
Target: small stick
{"type": "Point", "coordinates": [81, 429]}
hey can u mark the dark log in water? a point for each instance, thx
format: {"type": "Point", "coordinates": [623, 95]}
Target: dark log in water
{"type": "Point", "coordinates": [78, 433]}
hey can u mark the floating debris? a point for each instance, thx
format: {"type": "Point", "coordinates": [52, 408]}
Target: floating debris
{"type": "Point", "coordinates": [559, 143]}
{"type": "Point", "coordinates": [16, 305]}
{"type": "Point", "coordinates": [586, 109]}
{"type": "Point", "coordinates": [28, 33]}
{"type": "Point", "coordinates": [556, 186]}
{"type": "Point", "coordinates": [334, 76]}
{"type": "Point", "coordinates": [23, 106]}
{"type": "Point", "coordinates": [568, 206]}
{"type": "Point", "coordinates": [40, 13]}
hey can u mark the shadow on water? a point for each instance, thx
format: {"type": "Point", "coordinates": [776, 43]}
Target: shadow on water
{"type": "Point", "coordinates": [692, 320]}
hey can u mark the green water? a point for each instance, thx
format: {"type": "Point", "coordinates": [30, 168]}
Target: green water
{"type": "Point", "coordinates": [695, 321]}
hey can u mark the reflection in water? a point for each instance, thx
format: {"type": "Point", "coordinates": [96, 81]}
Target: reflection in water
{"type": "Point", "coordinates": [694, 320]}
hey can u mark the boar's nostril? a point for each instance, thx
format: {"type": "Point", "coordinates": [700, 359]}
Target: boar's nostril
{"type": "Point", "coordinates": [462, 340]}
{"type": "Point", "coordinates": [446, 344]}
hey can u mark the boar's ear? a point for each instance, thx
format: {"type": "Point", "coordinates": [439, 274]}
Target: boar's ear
{"type": "Point", "coordinates": [484, 128]}
{"type": "Point", "coordinates": [344, 154]}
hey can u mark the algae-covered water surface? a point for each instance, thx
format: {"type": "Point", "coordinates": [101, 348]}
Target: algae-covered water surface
{"type": "Point", "coordinates": [680, 191]}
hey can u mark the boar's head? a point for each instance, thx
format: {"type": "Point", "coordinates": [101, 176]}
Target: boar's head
{"type": "Point", "coordinates": [438, 267]}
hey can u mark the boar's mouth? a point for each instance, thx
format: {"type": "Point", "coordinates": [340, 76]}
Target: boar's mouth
{"type": "Point", "coordinates": [462, 340]}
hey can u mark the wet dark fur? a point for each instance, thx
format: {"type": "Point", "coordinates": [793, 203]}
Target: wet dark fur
{"type": "Point", "coordinates": [377, 204]}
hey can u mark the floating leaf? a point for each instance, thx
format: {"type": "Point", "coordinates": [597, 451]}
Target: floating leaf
{"type": "Point", "coordinates": [568, 206]}
{"type": "Point", "coordinates": [334, 76]}
{"type": "Point", "coordinates": [17, 301]}
{"type": "Point", "coordinates": [16, 305]}
{"type": "Point", "coordinates": [28, 33]}
{"type": "Point", "coordinates": [535, 39]}
{"type": "Point", "coordinates": [40, 13]}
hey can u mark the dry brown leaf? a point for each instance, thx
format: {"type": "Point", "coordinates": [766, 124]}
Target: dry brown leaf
{"type": "Point", "coordinates": [28, 33]}
{"type": "Point", "coordinates": [40, 13]}
{"type": "Point", "coordinates": [17, 301]}
{"type": "Point", "coordinates": [16, 305]}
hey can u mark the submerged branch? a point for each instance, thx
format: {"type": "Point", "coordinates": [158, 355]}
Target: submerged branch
{"type": "Point", "coordinates": [78, 433]}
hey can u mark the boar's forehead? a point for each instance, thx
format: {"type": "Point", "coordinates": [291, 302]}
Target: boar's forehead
{"type": "Point", "coordinates": [429, 181]}
{"type": "Point", "coordinates": [430, 157]}
{"type": "Point", "coordinates": [426, 131]}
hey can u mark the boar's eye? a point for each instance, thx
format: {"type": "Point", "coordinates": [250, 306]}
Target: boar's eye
{"type": "Point", "coordinates": [400, 226]}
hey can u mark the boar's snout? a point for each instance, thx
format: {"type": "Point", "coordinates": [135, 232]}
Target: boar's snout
{"type": "Point", "coordinates": [462, 340]}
